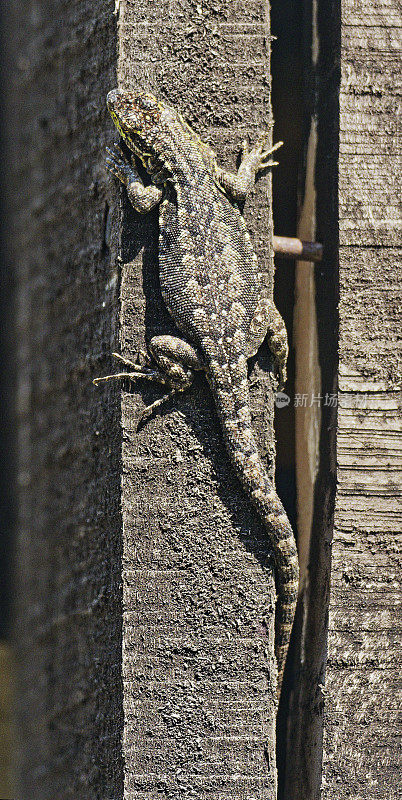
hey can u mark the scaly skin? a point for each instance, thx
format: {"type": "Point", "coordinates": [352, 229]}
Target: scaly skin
{"type": "Point", "coordinates": [212, 287]}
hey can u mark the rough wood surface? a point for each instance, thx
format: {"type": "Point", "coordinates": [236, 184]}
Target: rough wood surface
{"type": "Point", "coordinates": [344, 729]}
{"type": "Point", "coordinates": [69, 529]}
{"type": "Point", "coordinates": [198, 593]}
{"type": "Point", "coordinates": [362, 754]}
{"type": "Point", "coordinates": [145, 602]}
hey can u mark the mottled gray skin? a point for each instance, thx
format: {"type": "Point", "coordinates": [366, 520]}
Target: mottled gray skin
{"type": "Point", "coordinates": [212, 287]}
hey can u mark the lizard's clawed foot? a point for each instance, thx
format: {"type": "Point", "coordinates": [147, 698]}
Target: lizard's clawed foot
{"type": "Point", "coordinates": [126, 361]}
{"type": "Point", "coordinates": [137, 371]}
{"type": "Point", "coordinates": [261, 155]}
{"type": "Point", "coordinates": [120, 166]}
{"type": "Point", "coordinates": [146, 413]}
{"type": "Point", "coordinates": [150, 373]}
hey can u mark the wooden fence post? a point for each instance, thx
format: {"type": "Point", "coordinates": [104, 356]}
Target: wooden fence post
{"type": "Point", "coordinates": [145, 601]}
{"type": "Point", "coordinates": [361, 736]}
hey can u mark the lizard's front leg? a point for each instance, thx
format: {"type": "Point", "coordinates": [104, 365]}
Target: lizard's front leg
{"type": "Point", "coordinates": [238, 185]}
{"type": "Point", "coordinates": [172, 363]}
{"type": "Point", "coordinates": [142, 198]}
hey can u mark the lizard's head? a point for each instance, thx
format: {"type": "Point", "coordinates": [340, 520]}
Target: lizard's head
{"type": "Point", "coordinates": [140, 119]}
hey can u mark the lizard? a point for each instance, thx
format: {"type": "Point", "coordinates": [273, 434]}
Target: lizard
{"type": "Point", "coordinates": [213, 290]}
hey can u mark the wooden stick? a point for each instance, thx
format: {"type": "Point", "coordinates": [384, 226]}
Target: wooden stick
{"type": "Point", "coordinates": [295, 248]}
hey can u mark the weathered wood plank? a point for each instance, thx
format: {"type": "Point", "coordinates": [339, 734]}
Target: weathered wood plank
{"type": "Point", "coordinates": [197, 663]}
{"type": "Point", "coordinates": [363, 691]}
{"type": "Point", "coordinates": [68, 551]}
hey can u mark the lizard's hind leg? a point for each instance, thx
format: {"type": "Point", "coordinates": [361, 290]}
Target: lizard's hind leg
{"type": "Point", "coordinates": [172, 363]}
{"type": "Point", "coordinates": [268, 323]}
{"type": "Point", "coordinates": [177, 360]}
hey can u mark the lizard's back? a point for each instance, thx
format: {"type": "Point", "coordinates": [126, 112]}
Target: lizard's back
{"type": "Point", "coordinates": [208, 269]}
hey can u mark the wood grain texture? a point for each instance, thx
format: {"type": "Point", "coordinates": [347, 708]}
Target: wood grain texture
{"type": "Point", "coordinates": [198, 590]}
{"type": "Point", "coordinates": [363, 690]}
{"type": "Point", "coordinates": [68, 553]}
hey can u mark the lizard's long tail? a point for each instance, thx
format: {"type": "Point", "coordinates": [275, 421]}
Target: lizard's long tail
{"type": "Point", "coordinates": [230, 387]}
